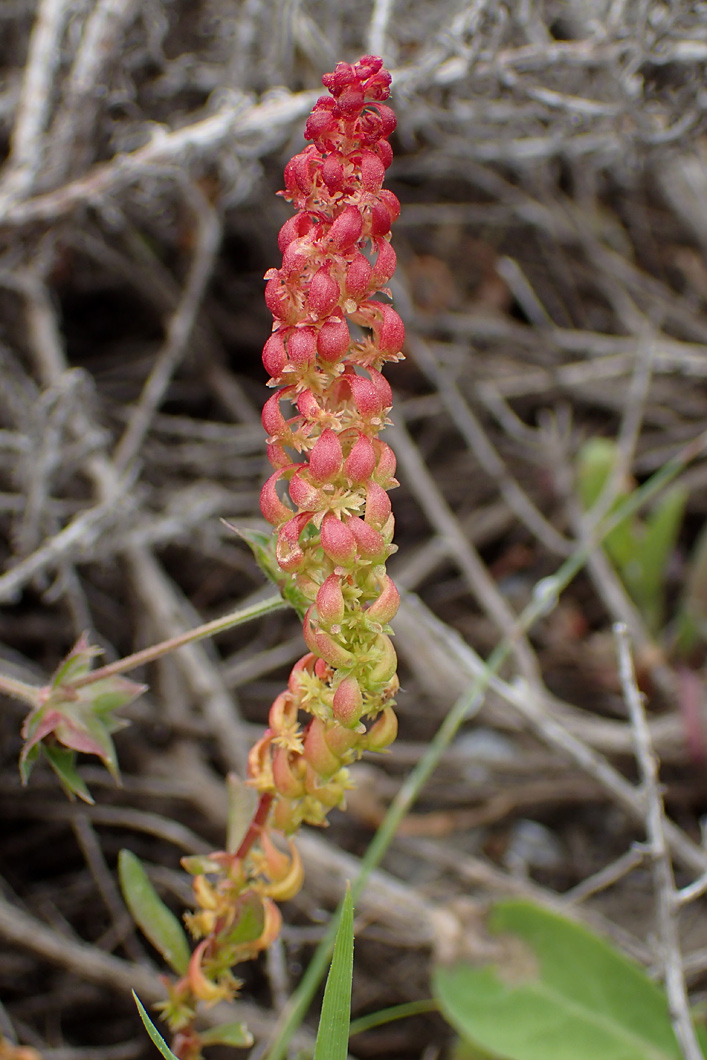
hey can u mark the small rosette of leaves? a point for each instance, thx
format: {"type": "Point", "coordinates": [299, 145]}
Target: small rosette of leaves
{"type": "Point", "coordinates": [74, 716]}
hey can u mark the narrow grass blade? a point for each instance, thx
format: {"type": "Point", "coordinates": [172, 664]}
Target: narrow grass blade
{"type": "Point", "coordinates": [333, 1033]}
{"type": "Point", "coordinates": [153, 1032]}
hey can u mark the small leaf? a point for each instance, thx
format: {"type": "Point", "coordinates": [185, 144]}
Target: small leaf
{"type": "Point", "coordinates": [555, 990]}
{"type": "Point", "coordinates": [242, 802]}
{"type": "Point", "coordinates": [155, 920]}
{"type": "Point", "coordinates": [654, 554]}
{"type": "Point", "coordinates": [235, 1034]}
{"type": "Point", "coordinates": [63, 762]}
{"type": "Point", "coordinates": [76, 664]}
{"type": "Point", "coordinates": [153, 1032]}
{"type": "Point", "coordinates": [333, 1032]}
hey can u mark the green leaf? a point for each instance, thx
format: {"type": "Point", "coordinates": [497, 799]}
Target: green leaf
{"type": "Point", "coordinates": [155, 920]}
{"type": "Point", "coordinates": [153, 1032]}
{"type": "Point", "coordinates": [63, 762]}
{"type": "Point", "coordinates": [654, 554]}
{"type": "Point", "coordinates": [595, 463]}
{"type": "Point", "coordinates": [388, 1015]}
{"type": "Point", "coordinates": [242, 803]}
{"type": "Point", "coordinates": [333, 1032]}
{"type": "Point", "coordinates": [555, 990]}
{"type": "Point", "coordinates": [235, 1034]}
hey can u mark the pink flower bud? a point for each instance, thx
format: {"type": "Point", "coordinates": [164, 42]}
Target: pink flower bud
{"type": "Point", "coordinates": [361, 461]}
{"type": "Point", "coordinates": [346, 229]}
{"type": "Point", "coordinates": [324, 645]}
{"type": "Point", "coordinates": [302, 347]}
{"type": "Point", "coordinates": [338, 542]}
{"type": "Point", "coordinates": [385, 468]}
{"type": "Point", "coordinates": [333, 340]}
{"type": "Point", "coordinates": [380, 219]}
{"type": "Point", "coordinates": [348, 702]}
{"type": "Point", "coordinates": [277, 455]}
{"type": "Point", "coordinates": [372, 171]}
{"type": "Point", "coordinates": [388, 119]}
{"type": "Point", "coordinates": [344, 74]}
{"type": "Point", "coordinates": [382, 385]}
{"type": "Point", "coordinates": [370, 544]}
{"type": "Point", "coordinates": [303, 666]}
{"type": "Point", "coordinates": [323, 292]}
{"type": "Point", "coordinates": [330, 601]}
{"type": "Point", "coordinates": [387, 663]}
{"type": "Point", "coordinates": [391, 331]}
{"type": "Point", "coordinates": [317, 751]}
{"type": "Point", "coordinates": [282, 716]}
{"type": "Point", "coordinates": [358, 276]}
{"type": "Point", "coordinates": [351, 99]}
{"type": "Point", "coordinates": [392, 202]}
{"type": "Point", "coordinates": [278, 300]}
{"type": "Point", "coordinates": [288, 553]}
{"type": "Point", "coordinates": [274, 356]}
{"type": "Point", "coordinates": [308, 405]}
{"type": "Point", "coordinates": [378, 506]}
{"type": "Point", "coordinates": [320, 121]}
{"type": "Point", "coordinates": [383, 732]}
{"type": "Point", "coordinates": [271, 506]}
{"type": "Point", "coordinates": [326, 457]}
{"type": "Point", "coordinates": [294, 260]}
{"type": "Point", "coordinates": [365, 395]}
{"type": "Point", "coordinates": [333, 174]}
{"type": "Point", "coordinates": [286, 780]}
{"type": "Point", "coordinates": [272, 419]}
{"type": "Point", "coordinates": [303, 493]}
{"type": "Point", "coordinates": [385, 152]}
{"type": "Point", "coordinates": [385, 264]}
{"type": "Point", "coordinates": [293, 228]}
{"type": "Point", "coordinates": [341, 739]}
{"type": "Point", "coordinates": [385, 608]}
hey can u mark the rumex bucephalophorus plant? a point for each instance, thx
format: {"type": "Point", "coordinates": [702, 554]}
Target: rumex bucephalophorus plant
{"type": "Point", "coordinates": [328, 501]}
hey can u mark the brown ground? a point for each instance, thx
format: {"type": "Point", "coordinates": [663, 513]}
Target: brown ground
{"type": "Point", "coordinates": [553, 281]}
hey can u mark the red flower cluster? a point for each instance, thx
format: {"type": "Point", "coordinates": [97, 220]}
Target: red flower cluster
{"type": "Point", "coordinates": [332, 334]}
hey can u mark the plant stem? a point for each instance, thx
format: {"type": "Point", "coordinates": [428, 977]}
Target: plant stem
{"type": "Point", "coordinates": [545, 599]}
{"type": "Point", "coordinates": [156, 651]}
{"type": "Point", "coordinates": [10, 686]}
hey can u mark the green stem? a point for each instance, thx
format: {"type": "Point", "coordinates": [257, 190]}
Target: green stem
{"type": "Point", "coordinates": [545, 599]}
{"type": "Point", "coordinates": [10, 686]}
{"type": "Point", "coordinates": [156, 651]}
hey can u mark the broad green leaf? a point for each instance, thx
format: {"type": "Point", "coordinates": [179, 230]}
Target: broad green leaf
{"type": "Point", "coordinates": [235, 1034]}
{"type": "Point", "coordinates": [153, 1032]}
{"type": "Point", "coordinates": [555, 991]}
{"type": "Point", "coordinates": [155, 920]}
{"type": "Point", "coordinates": [63, 762]}
{"type": "Point", "coordinates": [333, 1032]}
